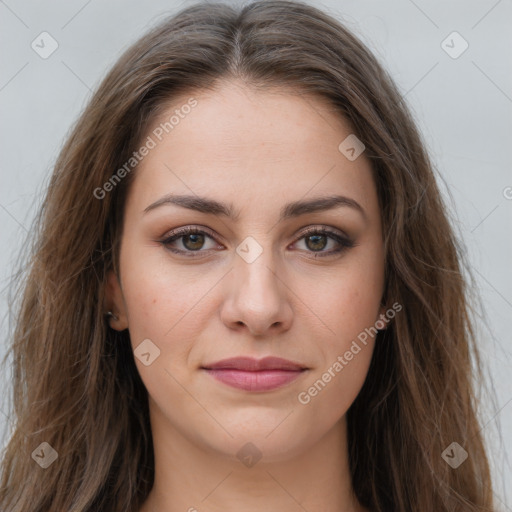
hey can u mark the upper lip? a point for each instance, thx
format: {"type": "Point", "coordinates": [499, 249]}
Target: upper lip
{"type": "Point", "coordinates": [251, 364]}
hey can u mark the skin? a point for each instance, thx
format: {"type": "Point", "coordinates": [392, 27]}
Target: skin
{"type": "Point", "coordinates": [254, 151]}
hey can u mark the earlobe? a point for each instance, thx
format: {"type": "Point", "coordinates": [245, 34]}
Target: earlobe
{"type": "Point", "coordinates": [115, 309]}
{"type": "Point", "coordinates": [382, 321]}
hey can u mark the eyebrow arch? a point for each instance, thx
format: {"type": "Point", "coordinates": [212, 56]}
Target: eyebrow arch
{"type": "Point", "coordinates": [294, 209]}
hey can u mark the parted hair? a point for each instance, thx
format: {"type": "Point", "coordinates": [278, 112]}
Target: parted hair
{"type": "Point", "coordinates": [75, 383]}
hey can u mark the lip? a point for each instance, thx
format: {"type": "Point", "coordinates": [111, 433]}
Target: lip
{"type": "Point", "coordinates": [250, 364]}
{"type": "Point", "coordinates": [252, 374]}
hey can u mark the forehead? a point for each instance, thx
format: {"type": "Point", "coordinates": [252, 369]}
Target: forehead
{"type": "Point", "coordinates": [235, 115]}
{"type": "Point", "coordinates": [241, 141]}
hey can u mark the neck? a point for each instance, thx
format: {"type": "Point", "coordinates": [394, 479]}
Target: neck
{"type": "Point", "coordinates": [193, 478]}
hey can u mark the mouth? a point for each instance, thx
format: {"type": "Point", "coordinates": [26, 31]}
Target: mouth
{"type": "Point", "coordinates": [251, 374]}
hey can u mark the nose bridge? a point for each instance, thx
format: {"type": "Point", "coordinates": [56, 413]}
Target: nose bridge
{"type": "Point", "coordinates": [255, 277]}
{"type": "Point", "coordinates": [257, 297]}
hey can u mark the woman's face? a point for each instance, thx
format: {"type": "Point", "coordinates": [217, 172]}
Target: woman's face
{"type": "Point", "coordinates": [259, 175]}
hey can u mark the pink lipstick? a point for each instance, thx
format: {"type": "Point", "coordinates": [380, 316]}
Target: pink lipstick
{"type": "Point", "coordinates": [252, 374]}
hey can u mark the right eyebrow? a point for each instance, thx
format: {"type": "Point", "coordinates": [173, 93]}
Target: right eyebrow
{"type": "Point", "coordinates": [293, 209]}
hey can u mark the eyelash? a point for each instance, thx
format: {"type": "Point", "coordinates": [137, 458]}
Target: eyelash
{"type": "Point", "coordinates": [344, 242]}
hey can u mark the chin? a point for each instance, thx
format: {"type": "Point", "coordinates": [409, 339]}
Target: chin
{"type": "Point", "coordinates": [255, 439]}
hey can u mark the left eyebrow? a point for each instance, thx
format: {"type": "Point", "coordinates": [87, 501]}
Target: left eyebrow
{"type": "Point", "coordinates": [318, 205]}
{"type": "Point", "coordinates": [294, 209]}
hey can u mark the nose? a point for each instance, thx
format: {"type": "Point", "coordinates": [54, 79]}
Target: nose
{"type": "Point", "coordinates": [257, 299]}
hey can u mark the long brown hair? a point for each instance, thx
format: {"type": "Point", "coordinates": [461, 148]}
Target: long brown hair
{"type": "Point", "coordinates": [76, 385]}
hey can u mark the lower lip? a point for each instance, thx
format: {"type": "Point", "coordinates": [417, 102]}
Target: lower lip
{"type": "Point", "coordinates": [263, 380]}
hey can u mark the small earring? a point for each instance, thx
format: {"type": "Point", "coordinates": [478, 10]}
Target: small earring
{"type": "Point", "coordinates": [109, 313]}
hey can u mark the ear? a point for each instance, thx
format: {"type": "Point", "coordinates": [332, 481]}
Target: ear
{"type": "Point", "coordinates": [114, 302]}
{"type": "Point", "coordinates": [381, 323]}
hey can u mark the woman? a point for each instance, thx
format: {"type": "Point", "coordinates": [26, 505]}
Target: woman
{"type": "Point", "coordinates": [244, 292]}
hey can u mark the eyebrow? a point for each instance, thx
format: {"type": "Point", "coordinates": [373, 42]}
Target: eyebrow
{"type": "Point", "coordinates": [294, 209]}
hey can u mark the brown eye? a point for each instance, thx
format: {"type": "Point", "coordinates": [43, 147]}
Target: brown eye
{"type": "Point", "coordinates": [321, 241]}
{"type": "Point", "coordinates": [190, 241]}
{"type": "Point", "coordinates": [193, 242]}
{"type": "Point", "coordinates": [316, 242]}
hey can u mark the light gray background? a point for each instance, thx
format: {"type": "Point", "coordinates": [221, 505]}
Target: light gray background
{"type": "Point", "coordinates": [463, 107]}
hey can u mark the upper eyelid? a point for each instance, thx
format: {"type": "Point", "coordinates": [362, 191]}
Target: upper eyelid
{"type": "Point", "coordinates": [191, 227]}
{"type": "Point", "coordinates": [184, 230]}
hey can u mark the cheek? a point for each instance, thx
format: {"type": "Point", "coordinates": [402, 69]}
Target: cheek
{"type": "Point", "coordinates": [159, 299]}
{"type": "Point", "coordinates": [348, 350]}
{"type": "Point", "coordinates": [171, 309]}
{"type": "Point", "coordinates": [158, 307]}
{"type": "Point", "coordinates": [350, 311]}
{"type": "Point", "coordinates": [350, 301]}
{"type": "Point", "coordinates": [330, 393]}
